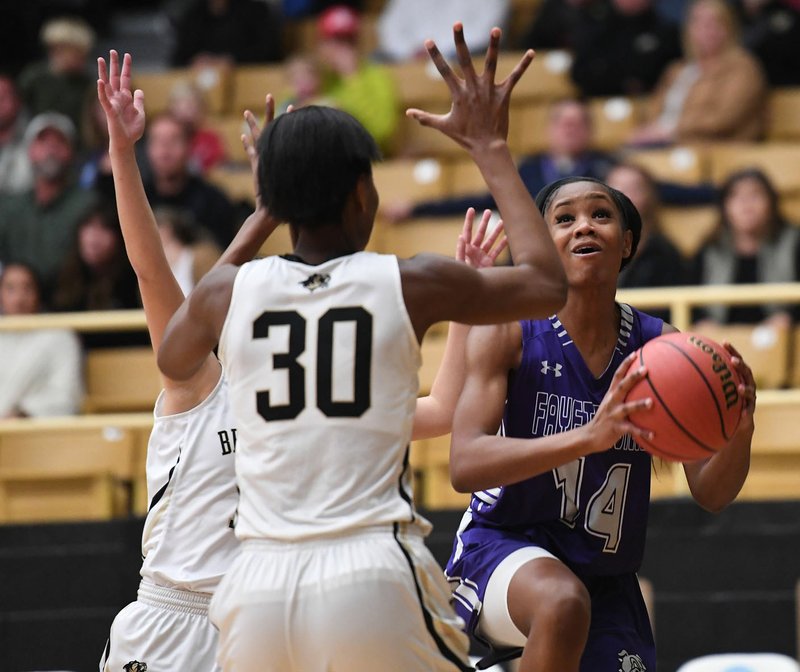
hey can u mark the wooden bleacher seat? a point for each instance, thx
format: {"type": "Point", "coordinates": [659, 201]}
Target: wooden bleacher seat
{"type": "Point", "coordinates": [231, 128]}
{"type": "Point", "coordinates": [547, 78]}
{"type": "Point", "coordinates": [778, 160]}
{"type": "Point", "coordinates": [419, 84]}
{"type": "Point", "coordinates": [767, 350]}
{"type": "Point", "coordinates": [251, 83]}
{"type": "Point", "coordinates": [784, 115]}
{"type": "Point", "coordinates": [121, 380]}
{"type": "Point", "coordinates": [157, 87]}
{"type": "Point", "coordinates": [435, 234]}
{"type": "Point", "coordinates": [62, 469]}
{"type": "Point", "coordinates": [613, 121]}
{"type": "Point", "coordinates": [235, 181]}
{"type": "Point", "coordinates": [464, 178]}
{"type": "Point", "coordinates": [775, 460]}
{"type": "Point", "coordinates": [527, 128]}
{"type": "Point", "coordinates": [688, 227]}
{"type": "Point", "coordinates": [410, 180]}
{"type": "Point", "coordinates": [681, 164]}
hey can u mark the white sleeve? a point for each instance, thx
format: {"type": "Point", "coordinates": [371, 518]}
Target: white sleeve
{"type": "Point", "coordinates": [59, 390]}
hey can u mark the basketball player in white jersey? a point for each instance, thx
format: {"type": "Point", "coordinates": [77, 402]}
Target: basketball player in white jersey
{"type": "Point", "coordinates": [321, 350]}
{"type": "Point", "coordinates": [188, 541]}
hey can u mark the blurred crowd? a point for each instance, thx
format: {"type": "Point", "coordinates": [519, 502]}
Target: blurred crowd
{"type": "Point", "coordinates": [704, 67]}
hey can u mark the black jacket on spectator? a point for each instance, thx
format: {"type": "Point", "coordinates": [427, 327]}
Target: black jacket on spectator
{"type": "Point", "coordinates": [617, 54]}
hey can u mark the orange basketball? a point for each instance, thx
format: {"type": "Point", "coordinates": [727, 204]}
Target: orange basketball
{"type": "Point", "coordinates": [695, 391]}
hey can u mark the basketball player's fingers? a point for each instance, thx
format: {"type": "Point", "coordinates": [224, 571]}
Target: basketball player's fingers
{"type": "Point", "coordinates": [114, 70]}
{"type": "Point", "coordinates": [498, 250]}
{"type": "Point", "coordinates": [425, 118]}
{"type": "Point", "coordinates": [252, 127]}
{"type": "Point", "coordinates": [480, 233]}
{"type": "Point", "coordinates": [138, 100]}
{"type": "Point", "coordinates": [462, 52]}
{"type": "Point", "coordinates": [634, 430]}
{"type": "Point", "coordinates": [269, 110]}
{"type": "Point", "coordinates": [622, 370]}
{"type": "Point", "coordinates": [490, 62]}
{"type": "Point", "coordinates": [494, 234]}
{"type": "Point", "coordinates": [125, 75]}
{"type": "Point", "coordinates": [632, 407]}
{"type": "Point", "coordinates": [461, 249]}
{"type": "Point", "coordinates": [102, 70]}
{"type": "Point", "coordinates": [442, 65]}
{"type": "Point", "coordinates": [632, 377]}
{"type": "Point", "coordinates": [519, 69]}
{"type": "Point", "coordinates": [469, 219]}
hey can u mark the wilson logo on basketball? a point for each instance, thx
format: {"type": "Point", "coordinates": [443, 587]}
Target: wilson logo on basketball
{"type": "Point", "coordinates": [720, 367]}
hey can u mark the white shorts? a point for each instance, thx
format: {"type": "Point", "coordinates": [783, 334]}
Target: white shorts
{"type": "Point", "coordinates": [166, 629]}
{"type": "Point", "coordinates": [494, 623]}
{"type": "Point", "coordinates": [372, 600]}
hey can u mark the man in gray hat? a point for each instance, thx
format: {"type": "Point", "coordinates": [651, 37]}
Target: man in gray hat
{"type": "Point", "coordinates": [38, 225]}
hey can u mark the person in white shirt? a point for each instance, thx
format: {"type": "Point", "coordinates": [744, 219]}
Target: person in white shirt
{"type": "Point", "coordinates": [41, 370]}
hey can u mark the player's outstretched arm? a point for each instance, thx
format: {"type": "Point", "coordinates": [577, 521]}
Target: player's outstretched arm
{"type": "Point", "coordinates": [434, 413]}
{"type": "Point", "coordinates": [125, 116]}
{"type": "Point", "coordinates": [478, 121]}
{"type": "Point", "coordinates": [480, 459]}
{"type": "Point", "coordinates": [715, 482]}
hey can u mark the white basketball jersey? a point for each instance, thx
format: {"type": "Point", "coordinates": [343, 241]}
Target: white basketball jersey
{"type": "Point", "coordinates": [322, 364]}
{"type": "Point", "coordinates": [188, 540]}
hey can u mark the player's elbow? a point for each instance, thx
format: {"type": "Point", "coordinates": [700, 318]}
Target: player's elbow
{"type": "Point", "coordinates": [462, 469]}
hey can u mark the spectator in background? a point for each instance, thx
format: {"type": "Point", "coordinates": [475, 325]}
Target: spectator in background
{"type": "Point", "coordinates": [404, 25]}
{"type": "Point", "coordinates": [62, 82]}
{"type": "Point", "coordinates": [37, 226]}
{"type": "Point", "coordinates": [189, 256]}
{"type": "Point", "coordinates": [94, 173]}
{"type": "Point", "coordinates": [771, 32]}
{"type": "Point", "coordinates": [569, 153]}
{"type": "Point", "coordinates": [657, 262]}
{"type": "Point", "coordinates": [171, 182]}
{"type": "Point", "coordinates": [96, 275]}
{"type": "Point", "coordinates": [717, 92]}
{"type": "Point", "coordinates": [556, 22]}
{"type": "Point", "coordinates": [754, 243]}
{"type": "Point", "coordinates": [622, 49]}
{"type": "Point", "coordinates": [223, 33]}
{"type": "Point", "coordinates": [187, 104]}
{"type": "Point", "coordinates": [15, 168]}
{"type": "Point", "coordinates": [351, 83]}
{"type": "Point", "coordinates": [42, 369]}
{"type": "Point", "coordinates": [304, 84]}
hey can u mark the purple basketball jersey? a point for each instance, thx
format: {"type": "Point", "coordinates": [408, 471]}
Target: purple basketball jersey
{"type": "Point", "coordinates": [590, 513]}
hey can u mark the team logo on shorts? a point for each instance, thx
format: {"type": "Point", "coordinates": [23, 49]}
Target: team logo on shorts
{"type": "Point", "coordinates": [630, 662]}
{"type": "Point", "coordinates": [316, 281]}
{"type": "Point", "coordinates": [136, 666]}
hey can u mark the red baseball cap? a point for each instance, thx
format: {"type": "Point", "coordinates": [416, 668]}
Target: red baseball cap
{"type": "Point", "coordinates": [339, 21]}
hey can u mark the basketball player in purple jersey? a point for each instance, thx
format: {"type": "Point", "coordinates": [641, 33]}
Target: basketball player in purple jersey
{"type": "Point", "coordinates": [544, 562]}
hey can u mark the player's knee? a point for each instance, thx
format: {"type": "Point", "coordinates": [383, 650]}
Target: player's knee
{"type": "Point", "coordinates": [569, 609]}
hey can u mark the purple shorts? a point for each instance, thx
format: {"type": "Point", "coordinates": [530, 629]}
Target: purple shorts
{"type": "Point", "coordinates": [620, 636]}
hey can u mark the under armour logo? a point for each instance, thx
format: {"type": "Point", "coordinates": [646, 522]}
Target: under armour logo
{"type": "Point", "coordinates": [316, 281]}
{"type": "Point", "coordinates": [555, 369]}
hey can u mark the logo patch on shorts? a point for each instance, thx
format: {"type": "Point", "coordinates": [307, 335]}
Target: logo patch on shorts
{"type": "Point", "coordinates": [630, 662]}
{"type": "Point", "coordinates": [135, 666]}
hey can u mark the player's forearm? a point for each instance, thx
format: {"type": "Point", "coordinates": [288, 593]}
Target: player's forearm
{"type": "Point", "coordinates": [249, 239]}
{"type": "Point", "coordinates": [529, 239]}
{"type": "Point", "coordinates": [434, 414]}
{"type": "Point", "coordinates": [490, 461]}
{"type": "Point", "coordinates": [138, 224]}
{"type": "Point", "coordinates": [715, 482]}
